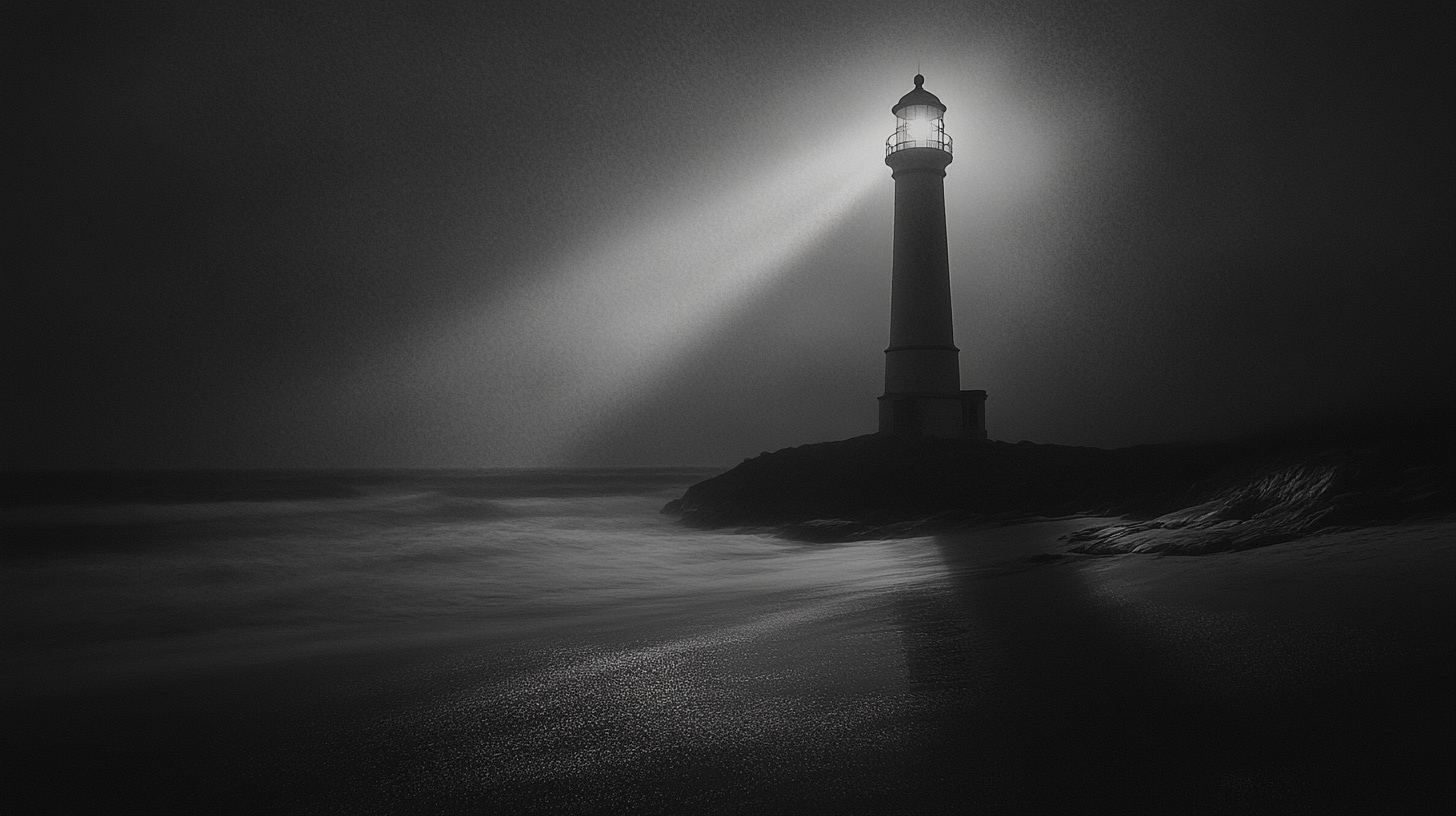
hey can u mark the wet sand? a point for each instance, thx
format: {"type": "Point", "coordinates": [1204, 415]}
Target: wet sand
{"type": "Point", "coordinates": [1309, 677]}
{"type": "Point", "coordinates": [1312, 676]}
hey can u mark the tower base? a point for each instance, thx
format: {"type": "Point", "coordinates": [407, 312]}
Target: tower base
{"type": "Point", "coordinates": [944, 416]}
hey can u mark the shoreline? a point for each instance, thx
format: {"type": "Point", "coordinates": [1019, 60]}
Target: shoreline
{"type": "Point", "coordinates": [958, 672]}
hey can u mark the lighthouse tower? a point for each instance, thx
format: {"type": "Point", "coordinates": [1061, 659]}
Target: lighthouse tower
{"type": "Point", "coordinates": [923, 395]}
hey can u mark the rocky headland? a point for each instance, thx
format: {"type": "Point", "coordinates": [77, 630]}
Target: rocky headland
{"type": "Point", "coordinates": [1174, 498]}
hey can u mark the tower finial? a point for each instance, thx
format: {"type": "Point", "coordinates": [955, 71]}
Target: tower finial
{"type": "Point", "coordinates": [919, 80]}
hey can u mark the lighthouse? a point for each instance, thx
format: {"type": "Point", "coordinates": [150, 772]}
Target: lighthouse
{"type": "Point", "coordinates": [923, 395]}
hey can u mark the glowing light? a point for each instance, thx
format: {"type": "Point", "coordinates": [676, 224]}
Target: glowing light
{"type": "Point", "coordinates": [919, 126]}
{"type": "Point", "coordinates": [920, 130]}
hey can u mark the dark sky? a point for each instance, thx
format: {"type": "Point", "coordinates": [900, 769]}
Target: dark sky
{"type": "Point", "coordinates": [581, 233]}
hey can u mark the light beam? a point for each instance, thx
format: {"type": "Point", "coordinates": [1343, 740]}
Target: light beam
{"type": "Point", "coordinates": [540, 370]}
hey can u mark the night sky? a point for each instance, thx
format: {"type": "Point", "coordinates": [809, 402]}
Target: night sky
{"type": "Point", "coordinates": [593, 233]}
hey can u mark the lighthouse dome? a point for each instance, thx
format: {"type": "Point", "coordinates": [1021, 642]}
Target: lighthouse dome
{"type": "Point", "coordinates": [919, 96]}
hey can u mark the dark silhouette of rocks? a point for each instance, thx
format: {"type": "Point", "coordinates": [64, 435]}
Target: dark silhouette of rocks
{"type": "Point", "coordinates": [1174, 498]}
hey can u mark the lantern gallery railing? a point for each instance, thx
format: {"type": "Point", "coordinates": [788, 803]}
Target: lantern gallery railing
{"type": "Point", "coordinates": [918, 133]}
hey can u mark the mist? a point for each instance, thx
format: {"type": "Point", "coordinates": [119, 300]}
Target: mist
{"type": "Point", "coordinates": [490, 235]}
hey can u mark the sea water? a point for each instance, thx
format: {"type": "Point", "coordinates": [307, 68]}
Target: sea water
{"type": "Point", "coordinates": [196, 572]}
{"type": "Point", "coordinates": [516, 637]}
{"type": "Point", "coordinates": [548, 642]}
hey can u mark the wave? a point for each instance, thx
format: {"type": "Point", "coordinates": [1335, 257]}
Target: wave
{"type": "Point", "coordinates": [106, 510]}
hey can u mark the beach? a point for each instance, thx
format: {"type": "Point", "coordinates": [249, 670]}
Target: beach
{"type": "Point", "coordinates": [546, 642]}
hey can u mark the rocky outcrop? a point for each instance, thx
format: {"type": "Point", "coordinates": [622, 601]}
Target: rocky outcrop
{"type": "Point", "coordinates": [1188, 499]}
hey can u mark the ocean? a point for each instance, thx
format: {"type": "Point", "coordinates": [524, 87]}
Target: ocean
{"type": "Point", "coordinates": [544, 641]}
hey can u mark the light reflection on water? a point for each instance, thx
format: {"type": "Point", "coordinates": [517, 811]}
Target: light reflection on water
{"type": "Point", "coordinates": [462, 644]}
{"type": "Point", "coordinates": [528, 642]}
{"type": "Point", "coordinates": [134, 589]}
